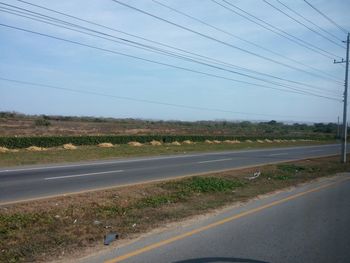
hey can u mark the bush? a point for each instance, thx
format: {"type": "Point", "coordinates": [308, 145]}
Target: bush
{"type": "Point", "coordinates": [42, 122]}
{"type": "Point", "coordinates": [54, 141]}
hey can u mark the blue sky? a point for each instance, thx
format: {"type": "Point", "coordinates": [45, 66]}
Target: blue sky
{"type": "Point", "coordinates": [33, 58]}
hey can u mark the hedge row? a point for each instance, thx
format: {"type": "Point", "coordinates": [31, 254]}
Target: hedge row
{"type": "Point", "coordinates": [53, 141]}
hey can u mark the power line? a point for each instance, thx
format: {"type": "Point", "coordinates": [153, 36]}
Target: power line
{"type": "Point", "coordinates": [166, 64]}
{"type": "Point", "coordinates": [277, 30]}
{"type": "Point", "coordinates": [235, 36]}
{"type": "Point", "coordinates": [308, 20]}
{"type": "Point", "coordinates": [141, 100]}
{"type": "Point", "coordinates": [172, 47]}
{"type": "Point", "coordinates": [300, 23]}
{"type": "Point", "coordinates": [326, 17]}
{"type": "Point", "coordinates": [210, 38]}
{"type": "Point", "coordinates": [148, 48]}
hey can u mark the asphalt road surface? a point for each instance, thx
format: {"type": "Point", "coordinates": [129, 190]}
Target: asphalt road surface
{"type": "Point", "coordinates": [310, 223]}
{"type": "Point", "coordinates": [23, 183]}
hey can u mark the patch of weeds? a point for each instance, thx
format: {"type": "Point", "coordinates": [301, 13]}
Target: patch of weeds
{"type": "Point", "coordinates": [154, 201]}
{"type": "Point", "coordinates": [18, 221]}
{"type": "Point", "coordinates": [204, 185]}
{"type": "Point", "coordinates": [281, 177]}
{"type": "Point", "coordinates": [313, 169]}
{"type": "Point", "coordinates": [290, 168]}
{"type": "Point", "coordinates": [110, 210]}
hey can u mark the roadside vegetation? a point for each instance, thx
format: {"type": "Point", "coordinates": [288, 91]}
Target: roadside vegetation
{"type": "Point", "coordinates": [67, 226]}
{"type": "Point", "coordinates": [71, 153]}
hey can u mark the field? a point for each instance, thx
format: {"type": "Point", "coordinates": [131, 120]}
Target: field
{"type": "Point", "coordinates": [15, 124]}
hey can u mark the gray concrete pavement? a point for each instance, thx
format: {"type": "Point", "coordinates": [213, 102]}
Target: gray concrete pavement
{"type": "Point", "coordinates": [23, 183]}
{"type": "Point", "coordinates": [310, 223]}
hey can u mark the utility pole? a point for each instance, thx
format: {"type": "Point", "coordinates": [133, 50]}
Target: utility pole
{"type": "Point", "coordinates": [338, 130]}
{"type": "Point", "coordinates": [345, 126]}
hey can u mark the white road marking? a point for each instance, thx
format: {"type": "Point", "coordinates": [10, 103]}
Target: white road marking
{"type": "Point", "coordinates": [217, 160]}
{"type": "Point", "coordinates": [80, 175]}
{"type": "Point", "coordinates": [278, 154]}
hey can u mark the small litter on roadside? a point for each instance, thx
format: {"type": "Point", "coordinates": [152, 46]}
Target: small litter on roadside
{"type": "Point", "coordinates": [110, 237]}
{"type": "Point", "coordinates": [255, 175]}
{"type": "Point", "coordinates": [96, 223]}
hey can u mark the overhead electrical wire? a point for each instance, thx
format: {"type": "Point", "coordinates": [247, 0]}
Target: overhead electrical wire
{"type": "Point", "coordinates": [165, 64]}
{"type": "Point", "coordinates": [327, 17]}
{"type": "Point", "coordinates": [301, 23]}
{"type": "Point", "coordinates": [235, 36]}
{"type": "Point", "coordinates": [165, 45]}
{"type": "Point", "coordinates": [310, 21]}
{"type": "Point", "coordinates": [276, 30]}
{"type": "Point", "coordinates": [212, 60]}
{"type": "Point", "coordinates": [83, 91]}
{"type": "Point", "coordinates": [153, 49]}
{"type": "Point", "coordinates": [210, 38]}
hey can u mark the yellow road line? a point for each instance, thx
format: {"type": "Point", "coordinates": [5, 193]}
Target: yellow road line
{"type": "Point", "coordinates": [158, 180]}
{"type": "Point", "coordinates": [221, 222]}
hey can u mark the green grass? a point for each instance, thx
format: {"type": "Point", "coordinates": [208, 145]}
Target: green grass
{"type": "Point", "coordinates": [203, 185]}
{"type": "Point", "coordinates": [88, 153]}
{"type": "Point", "coordinates": [290, 168]}
{"type": "Point", "coordinates": [180, 191]}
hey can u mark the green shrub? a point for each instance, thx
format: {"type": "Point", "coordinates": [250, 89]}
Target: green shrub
{"type": "Point", "coordinates": [42, 122]}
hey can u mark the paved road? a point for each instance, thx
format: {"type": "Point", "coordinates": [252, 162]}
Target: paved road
{"type": "Point", "coordinates": [308, 224]}
{"type": "Point", "coordinates": [41, 181]}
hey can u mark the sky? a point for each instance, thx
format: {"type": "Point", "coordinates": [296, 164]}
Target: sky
{"type": "Point", "coordinates": [113, 85]}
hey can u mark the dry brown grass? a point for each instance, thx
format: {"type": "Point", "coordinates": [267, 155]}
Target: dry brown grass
{"type": "Point", "coordinates": [105, 145]}
{"type": "Point", "coordinates": [208, 141]}
{"type": "Point", "coordinates": [188, 142]}
{"type": "Point", "coordinates": [176, 143]}
{"type": "Point", "coordinates": [4, 150]}
{"type": "Point", "coordinates": [69, 146]}
{"type": "Point", "coordinates": [36, 149]}
{"type": "Point", "coordinates": [232, 141]}
{"type": "Point", "coordinates": [135, 144]}
{"type": "Point", "coordinates": [155, 143]}
{"type": "Point", "coordinates": [216, 141]}
{"type": "Point", "coordinates": [268, 141]}
{"type": "Point", "coordinates": [259, 141]}
{"type": "Point", "coordinates": [249, 141]}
